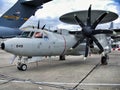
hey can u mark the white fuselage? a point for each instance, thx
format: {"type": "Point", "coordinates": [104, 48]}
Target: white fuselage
{"type": "Point", "coordinates": [50, 44]}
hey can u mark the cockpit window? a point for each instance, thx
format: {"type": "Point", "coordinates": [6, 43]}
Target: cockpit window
{"type": "Point", "coordinates": [31, 34]}
{"type": "Point", "coordinates": [38, 35]}
{"type": "Point", "coordinates": [27, 34]}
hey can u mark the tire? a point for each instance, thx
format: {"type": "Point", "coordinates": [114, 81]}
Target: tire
{"type": "Point", "coordinates": [23, 67]}
{"type": "Point", "coordinates": [104, 60]}
{"type": "Point", "coordinates": [62, 57]}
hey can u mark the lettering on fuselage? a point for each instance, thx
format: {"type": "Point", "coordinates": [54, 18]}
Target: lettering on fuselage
{"type": "Point", "coordinates": [19, 46]}
{"type": "Point", "coordinates": [14, 17]}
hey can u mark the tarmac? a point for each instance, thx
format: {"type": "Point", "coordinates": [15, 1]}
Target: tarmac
{"type": "Point", "coordinates": [72, 74]}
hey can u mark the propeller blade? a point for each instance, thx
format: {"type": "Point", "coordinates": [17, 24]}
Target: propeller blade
{"type": "Point", "coordinates": [79, 21]}
{"type": "Point", "coordinates": [75, 32]}
{"type": "Point", "coordinates": [38, 27]}
{"type": "Point", "coordinates": [98, 44]}
{"type": "Point", "coordinates": [78, 42]}
{"type": "Point", "coordinates": [89, 17]}
{"type": "Point", "coordinates": [91, 45]}
{"type": "Point", "coordinates": [115, 37]}
{"type": "Point", "coordinates": [87, 48]}
{"type": "Point", "coordinates": [102, 32]}
{"type": "Point", "coordinates": [98, 20]}
{"type": "Point", "coordinates": [43, 27]}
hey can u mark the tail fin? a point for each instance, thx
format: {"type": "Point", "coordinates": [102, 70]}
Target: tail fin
{"type": "Point", "coordinates": [22, 10]}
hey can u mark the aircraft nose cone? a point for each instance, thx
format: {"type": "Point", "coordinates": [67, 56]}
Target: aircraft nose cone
{"type": "Point", "coordinates": [2, 46]}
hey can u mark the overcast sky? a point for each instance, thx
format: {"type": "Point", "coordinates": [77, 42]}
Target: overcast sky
{"type": "Point", "coordinates": [51, 11]}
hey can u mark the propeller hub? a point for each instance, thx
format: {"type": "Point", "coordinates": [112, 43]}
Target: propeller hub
{"type": "Point", "coordinates": [87, 31]}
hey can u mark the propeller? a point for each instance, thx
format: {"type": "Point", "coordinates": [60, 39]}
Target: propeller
{"type": "Point", "coordinates": [43, 27]}
{"type": "Point", "coordinates": [38, 26]}
{"type": "Point", "coordinates": [88, 31]}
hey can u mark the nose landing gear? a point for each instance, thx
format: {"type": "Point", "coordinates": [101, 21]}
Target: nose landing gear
{"type": "Point", "coordinates": [23, 61]}
{"type": "Point", "coordinates": [21, 65]}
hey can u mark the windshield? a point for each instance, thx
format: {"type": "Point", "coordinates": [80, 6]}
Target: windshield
{"type": "Point", "coordinates": [27, 34]}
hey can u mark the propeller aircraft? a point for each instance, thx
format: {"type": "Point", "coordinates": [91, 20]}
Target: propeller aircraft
{"type": "Point", "coordinates": [42, 42]}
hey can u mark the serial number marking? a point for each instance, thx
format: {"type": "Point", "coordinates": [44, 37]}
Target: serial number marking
{"type": "Point", "coordinates": [19, 46]}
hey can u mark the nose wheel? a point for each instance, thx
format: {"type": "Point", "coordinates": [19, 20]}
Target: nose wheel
{"type": "Point", "coordinates": [22, 67]}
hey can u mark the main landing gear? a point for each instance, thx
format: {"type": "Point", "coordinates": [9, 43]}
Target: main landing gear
{"type": "Point", "coordinates": [62, 57]}
{"type": "Point", "coordinates": [104, 59]}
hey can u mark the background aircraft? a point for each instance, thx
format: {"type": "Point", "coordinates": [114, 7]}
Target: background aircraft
{"type": "Point", "coordinates": [42, 42]}
{"type": "Point", "coordinates": [15, 17]}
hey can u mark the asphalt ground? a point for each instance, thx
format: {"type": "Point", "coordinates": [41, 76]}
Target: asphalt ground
{"type": "Point", "coordinates": [52, 74]}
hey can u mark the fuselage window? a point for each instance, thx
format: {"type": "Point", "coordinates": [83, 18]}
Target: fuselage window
{"type": "Point", "coordinates": [38, 35]}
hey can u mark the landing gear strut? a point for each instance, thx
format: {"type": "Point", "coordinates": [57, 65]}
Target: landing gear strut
{"type": "Point", "coordinates": [62, 57]}
{"type": "Point", "coordinates": [104, 59]}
